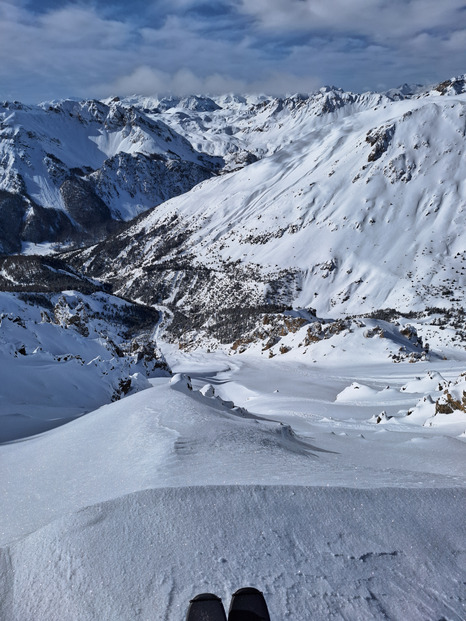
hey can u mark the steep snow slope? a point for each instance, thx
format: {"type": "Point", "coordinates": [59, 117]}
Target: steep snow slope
{"type": "Point", "coordinates": [63, 355]}
{"type": "Point", "coordinates": [362, 210]}
{"type": "Point", "coordinates": [172, 435]}
{"type": "Point", "coordinates": [328, 476]}
{"type": "Point", "coordinates": [294, 422]}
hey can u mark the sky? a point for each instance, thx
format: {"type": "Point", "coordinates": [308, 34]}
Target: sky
{"type": "Point", "coordinates": [52, 49]}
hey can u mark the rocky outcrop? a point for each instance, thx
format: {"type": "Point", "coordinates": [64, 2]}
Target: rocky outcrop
{"type": "Point", "coordinates": [83, 205]}
{"type": "Point", "coordinates": [12, 210]}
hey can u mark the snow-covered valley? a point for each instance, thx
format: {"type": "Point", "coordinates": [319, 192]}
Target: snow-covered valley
{"type": "Point", "coordinates": [260, 380]}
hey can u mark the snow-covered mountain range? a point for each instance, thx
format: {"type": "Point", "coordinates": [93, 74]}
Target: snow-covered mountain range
{"type": "Point", "coordinates": [349, 204]}
{"type": "Point", "coordinates": [247, 221]}
{"type": "Point", "coordinates": [232, 352]}
{"type": "Point", "coordinates": [69, 169]}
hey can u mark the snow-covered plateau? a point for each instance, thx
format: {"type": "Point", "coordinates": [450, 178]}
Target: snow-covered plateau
{"type": "Point", "coordinates": [260, 380]}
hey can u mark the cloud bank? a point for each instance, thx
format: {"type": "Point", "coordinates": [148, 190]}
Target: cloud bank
{"type": "Point", "coordinates": [51, 49]}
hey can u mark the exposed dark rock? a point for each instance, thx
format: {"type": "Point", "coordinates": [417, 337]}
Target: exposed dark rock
{"type": "Point", "coordinates": [156, 178]}
{"type": "Point", "coordinates": [83, 205]}
{"type": "Point", "coordinates": [380, 139]}
{"type": "Point", "coordinates": [457, 85]}
{"type": "Point", "coordinates": [12, 210]}
{"type": "Point", "coordinates": [43, 224]}
{"type": "Point", "coordinates": [42, 274]}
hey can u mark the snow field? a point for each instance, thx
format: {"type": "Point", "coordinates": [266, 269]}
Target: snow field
{"type": "Point", "coordinates": [317, 553]}
{"type": "Point", "coordinates": [249, 472]}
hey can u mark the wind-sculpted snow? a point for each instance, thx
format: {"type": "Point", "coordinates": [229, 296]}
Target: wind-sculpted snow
{"type": "Point", "coordinates": [233, 420]}
{"type": "Point", "coordinates": [247, 471]}
{"type": "Point", "coordinates": [315, 552]}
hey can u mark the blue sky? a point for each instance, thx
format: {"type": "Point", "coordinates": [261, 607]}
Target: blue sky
{"type": "Point", "coordinates": [58, 48]}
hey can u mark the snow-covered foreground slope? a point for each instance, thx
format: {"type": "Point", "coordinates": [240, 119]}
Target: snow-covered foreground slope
{"type": "Point", "coordinates": [220, 457]}
{"type": "Point", "coordinates": [245, 421]}
{"type": "Point", "coordinates": [317, 553]}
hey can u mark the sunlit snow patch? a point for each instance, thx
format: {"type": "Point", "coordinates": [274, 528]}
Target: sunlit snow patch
{"type": "Point", "coordinates": [431, 382]}
{"type": "Point", "coordinates": [357, 393]}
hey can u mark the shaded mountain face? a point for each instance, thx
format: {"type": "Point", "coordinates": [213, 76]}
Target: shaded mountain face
{"type": "Point", "coordinates": [353, 204]}
{"type": "Point", "coordinates": [69, 169]}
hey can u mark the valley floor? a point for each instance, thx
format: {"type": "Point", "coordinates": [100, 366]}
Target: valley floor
{"type": "Point", "coordinates": [239, 471]}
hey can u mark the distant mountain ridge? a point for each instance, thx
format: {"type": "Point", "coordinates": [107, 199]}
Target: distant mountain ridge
{"type": "Point", "coordinates": [70, 169]}
{"type": "Point", "coordinates": [354, 203]}
{"type": "Point", "coordinates": [334, 201]}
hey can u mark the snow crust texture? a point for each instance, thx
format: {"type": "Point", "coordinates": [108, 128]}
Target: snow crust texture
{"type": "Point", "coordinates": [316, 553]}
{"type": "Point", "coordinates": [268, 473]}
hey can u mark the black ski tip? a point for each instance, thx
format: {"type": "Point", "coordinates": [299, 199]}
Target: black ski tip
{"type": "Point", "coordinates": [206, 607]}
{"type": "Point", "coordinates": [248, 604]}
{"type": "Point", "coordinates": [205, 597]}
{"type": "Point", "coordinates": [247, 591]}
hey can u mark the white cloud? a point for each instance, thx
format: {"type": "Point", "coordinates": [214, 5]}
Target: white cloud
{"type": "Point", "coordinates": [56, 39]}
{"type": "Point", "coordinates": [287, 46]}
{"type": "Point", "coordinates": [75, 25]}
{"type": "Point", "coordinates": [378, 19]}
{"type": "Point", "coordinates": [456, 42]}
{"type": "Point", "coordinates": [145, 80]}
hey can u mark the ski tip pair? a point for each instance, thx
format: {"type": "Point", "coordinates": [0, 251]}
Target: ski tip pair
{"type": "Point", "coordinates": [247, 604]}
